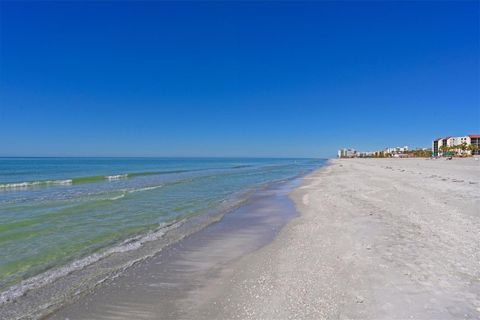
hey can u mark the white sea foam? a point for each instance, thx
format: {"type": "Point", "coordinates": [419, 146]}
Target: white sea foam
{"type": "Point", "coordinates": [116, 177]}
{"type": "Point", "coordinates": [125, 192]}
{"type": "Point", "coordinates": [30, 184]}
{"type": "Point", "coordinates": [49, 276]}
{"type": "Point", "coordinates": [144, 189]}
{"type": "Point", "coordinates": [117, 197]}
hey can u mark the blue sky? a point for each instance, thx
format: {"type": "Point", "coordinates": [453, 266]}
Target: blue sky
{"type": "Point", "coordinates": [235, 79]}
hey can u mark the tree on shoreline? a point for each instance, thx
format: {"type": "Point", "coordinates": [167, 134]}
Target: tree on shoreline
{"type": "Point", "coordinates": [459, 150]}
{"type": "Point", "coordinates": [473, 148]}
{"type": "Point", "coordinates": [444, 149]}
{"type": "Point", "coordinates": [463, 147]}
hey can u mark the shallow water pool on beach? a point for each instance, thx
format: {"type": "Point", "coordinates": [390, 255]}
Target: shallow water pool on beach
{"type": "Point", "coordinates": [69, 212]}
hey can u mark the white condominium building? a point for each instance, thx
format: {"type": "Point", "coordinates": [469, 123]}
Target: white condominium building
{"type": "Point", "coordinates": [472, 139]}
{"type": "Point", "coordinates": [396, 150]}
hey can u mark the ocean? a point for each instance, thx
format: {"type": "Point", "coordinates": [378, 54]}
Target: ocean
{"type": "Point", "coordinates": [58, 215]}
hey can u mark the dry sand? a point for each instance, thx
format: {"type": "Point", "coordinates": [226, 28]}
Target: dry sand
{"type": "Point", "coordinates": [375, 239]}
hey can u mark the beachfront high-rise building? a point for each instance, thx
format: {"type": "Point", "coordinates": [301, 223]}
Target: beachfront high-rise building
{"type": "Point", "coordinates": [441, 144]}
{"type": "Point", "coordinates": [437, 145]}
{"type": "Point", "coordinates": [346, 153]}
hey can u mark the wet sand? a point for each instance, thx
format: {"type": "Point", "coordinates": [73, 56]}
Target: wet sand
{"type": "Point", "coordinates": [375, 239]}
{"type": "Point", "coordinates": [182, 278]}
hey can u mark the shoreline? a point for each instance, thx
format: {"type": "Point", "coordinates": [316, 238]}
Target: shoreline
{"type": "Point", "coordinates": [160, 287]}
{"type": "Point", "coordinates": [375, 239]}
{"type": "Point", "coordinates": [363, 238]}
{"type": "Point", "coordinates": [178, 207]}
{"type": "Point", "coordinates": [43, 294]}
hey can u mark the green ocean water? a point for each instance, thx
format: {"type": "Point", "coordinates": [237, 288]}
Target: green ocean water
{"type": "Point", "coordinates": [55, 211]}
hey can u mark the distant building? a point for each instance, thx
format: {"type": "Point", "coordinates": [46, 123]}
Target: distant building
{"type": "Point", "coordinates": [396, 150]}
{"type": "Point", "coordinates": [440, 144]}
{"type": "Point", "coordinates": [401, 155]}
{"type": "Point", "coordinates": [347, 153]}
{"type": "Point", "coordinates": [366, 154]}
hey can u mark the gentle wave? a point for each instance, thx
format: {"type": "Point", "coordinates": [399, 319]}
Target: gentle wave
{"type": "Point", "coordinates": [26, 185]}
{"type": "Point", "coordinates": [49, 276]}
{"type": "Point", "coordinates": [144, 189]}
{"type": "Point", "coordinates": [116, 177]}
{"type": "Point", "coordinates": [93, 179]}
{"type": "Point", "coordinates": [149, 173]}
{"type": "Point", "coordinates": [125, 192]}
{"type": "Point", "coordinates": [82, 180]}
{"type": "Point", "coordinates": [240, 166]}
{"type": "Point", "coordinates": [117, 197]}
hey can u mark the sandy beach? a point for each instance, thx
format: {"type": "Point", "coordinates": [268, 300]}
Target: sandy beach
{"type": "Point", "coordinates": [374, 239]}
{"type": "Point", "coordinates": [254, 160]}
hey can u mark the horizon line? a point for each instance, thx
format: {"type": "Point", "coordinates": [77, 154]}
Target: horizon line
{"type": "Point", "coordinates": [173, 157]}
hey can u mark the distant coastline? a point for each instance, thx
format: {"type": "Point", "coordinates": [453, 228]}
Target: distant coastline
{"type": "Point", "coordinates": [462, 146]}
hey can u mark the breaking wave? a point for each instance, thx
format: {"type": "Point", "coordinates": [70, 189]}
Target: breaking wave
{"type": "Point", "coordinates": [13, 186]}
{"type": "Point", "coordinates": [116, 177]}
{"type": "Point", "coordinates": [26, 185]}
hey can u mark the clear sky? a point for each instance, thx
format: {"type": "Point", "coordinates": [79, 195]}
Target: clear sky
{"type": "Point", "coordinates": [235, 79]}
